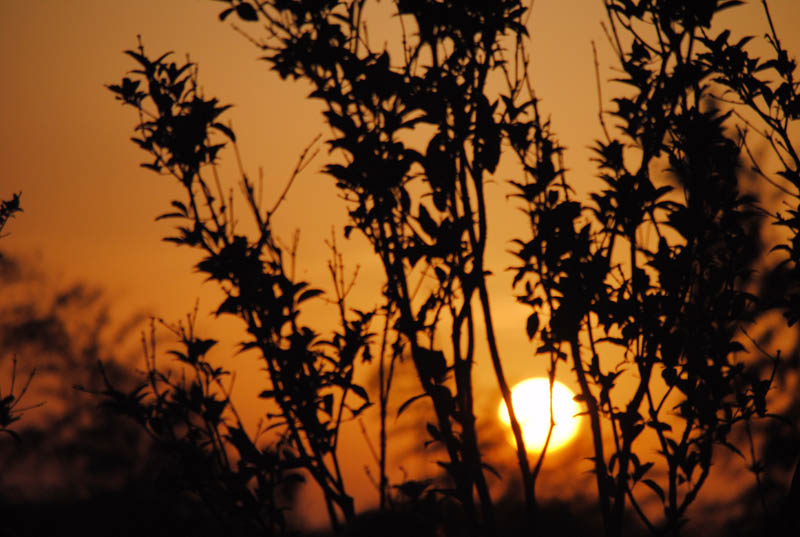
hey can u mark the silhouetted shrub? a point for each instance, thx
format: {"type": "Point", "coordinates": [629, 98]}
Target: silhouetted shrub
{"type": "Point", "coordinates": [650, 277]}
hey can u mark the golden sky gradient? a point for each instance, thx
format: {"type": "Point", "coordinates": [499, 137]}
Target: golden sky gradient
{"type": "Point", "coordinates": [89, 208]}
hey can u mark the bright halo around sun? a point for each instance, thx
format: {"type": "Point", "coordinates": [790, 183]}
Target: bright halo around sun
{"type": "Point", "coordinates": [531, 400]}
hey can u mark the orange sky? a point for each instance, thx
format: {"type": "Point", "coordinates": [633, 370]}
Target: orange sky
{"type": "Point", "coordinates": [89, 207]}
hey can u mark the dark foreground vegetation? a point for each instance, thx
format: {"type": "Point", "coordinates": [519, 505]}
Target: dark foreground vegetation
{"type": "Point", "coordinates": [661, 276]}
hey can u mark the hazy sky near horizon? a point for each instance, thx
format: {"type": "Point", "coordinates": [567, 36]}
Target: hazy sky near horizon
{"type": "Point", "coordinates": [89, 208]}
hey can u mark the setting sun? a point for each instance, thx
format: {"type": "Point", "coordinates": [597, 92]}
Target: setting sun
{"type": "Point", "coordinates": [531, 399]}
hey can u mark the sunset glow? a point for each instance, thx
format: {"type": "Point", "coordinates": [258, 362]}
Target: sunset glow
{"type": "Point", "coordinates": [266, 266]}
{"type": "Point", "coordinates": [531, 399]}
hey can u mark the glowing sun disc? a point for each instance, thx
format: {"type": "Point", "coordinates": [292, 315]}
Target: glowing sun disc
{"type": "Point", "coordinates": [531, 400]}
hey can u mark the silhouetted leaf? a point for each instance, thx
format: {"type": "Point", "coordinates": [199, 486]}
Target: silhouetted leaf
{"type": "Point", "coordinates": [246, 11]}
{"type": "Point", "coordinates": [360, 391]}
{"type": "Point", "coordinates": [433, 431]}
{"type": "Point", "coordinates": [308, 294]}
{"type": "Point", "coordinates": [532, 326]}
{"type": "Point", "coordinates": [169, 215]}
{"type": "Point", "coordinates": [641, 470]}
{"type": "Point", "coordinates": [655, 487]}
{"type": "Point", "coordinates": [327, 404]}
{"type": "Point", "coordinates": [225, 130]}
{"type": "Point", "coordinates": [224, 13]}
{"type": "Point", "coordinates": [408, 402]}
{"type": "Point", "coordinates": [426, 222]}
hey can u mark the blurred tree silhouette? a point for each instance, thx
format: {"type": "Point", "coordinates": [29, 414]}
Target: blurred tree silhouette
{"type": "Point", "coordinates": [650, 277]}
{"type": "Point", "coordinates": [62, 335]}
{"type": "Point", "coordinates": [76, 468]}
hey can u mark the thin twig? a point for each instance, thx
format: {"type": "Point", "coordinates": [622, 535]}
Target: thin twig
{"type": "Point", "coordinates": [302, 163]}
{"type": "Point", "coordinates": [599, 93]}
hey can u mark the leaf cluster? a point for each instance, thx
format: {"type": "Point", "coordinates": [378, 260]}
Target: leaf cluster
{"type": "Point", "coordinates": [422, 208]}
{"type": "Point", "coordinates": [310, 378]}
{"type": "Point", "coordinates": [672, 305]}
{"type": "Point", "coordinates": [649, 278]}
{"type": "Point", "coordinates": [188, 412]}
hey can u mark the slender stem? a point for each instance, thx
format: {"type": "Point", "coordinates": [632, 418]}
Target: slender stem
{"type": "Point", "coordinates": [601, 472]}
{"type": "Point", "coordinates": [757, 472]}
{"type": "Point", "coordinates": [463, 373]}
{"type": "Point", "coordinates": [478, 241]}
{"type": "Point", "coordinates": [522, 455]}
{"type": "Point", "coordinates": [383, 397]}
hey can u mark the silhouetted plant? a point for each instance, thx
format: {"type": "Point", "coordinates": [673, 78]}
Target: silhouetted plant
{"type": "Point", "coordinates": [765, 95]}
{"type": "Point", "coordinates": [650, 277]}
{"type": "Point", "coordinates": [10, 409]}
{"type": "Point", "coordinates": [423, 212]}
{"type": "Point", "coordinates": [311, 379]}
{"type": "Point", "coordinates": [675, 304]}
{"type": "Point", "coordinates": [189, 415]}
{"type": "Point", "coordinates": [8, 209]}
{"type": "Point", "coordinates": [78, 468]}
{"type": "Point", "coordinates": [61, 333]}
